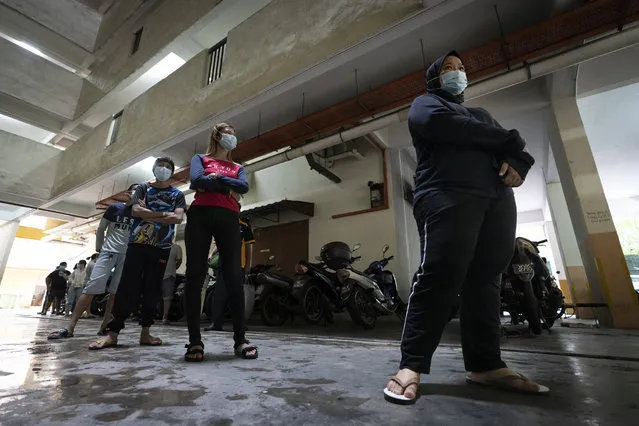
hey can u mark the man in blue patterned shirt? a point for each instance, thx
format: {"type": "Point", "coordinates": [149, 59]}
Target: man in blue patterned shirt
{"type": "Point", "coordinates": [157, 208]}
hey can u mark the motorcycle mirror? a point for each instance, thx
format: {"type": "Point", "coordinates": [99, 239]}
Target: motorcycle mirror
{"type": "Point", "coordinates": [356, 247]}
{"type": "Point", "coordinates": [385, 248]}
{"type": "Point", "coordinates": [271, 258]}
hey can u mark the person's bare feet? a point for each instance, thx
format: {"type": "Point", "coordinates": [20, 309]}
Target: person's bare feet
{"type": "Point", "coordinates": [507, 379]}
{"type": "Point", "coordinates": [147, 340]}
{"type": "Point", "coordinates": [110, 340]}
{"type": "Point", "coordinates": [405, 376]}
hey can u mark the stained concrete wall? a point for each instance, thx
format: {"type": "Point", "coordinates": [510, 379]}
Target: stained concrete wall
{"type": "Point", "coordinates": [31, 168]}
{"type": "Point", "coordinates": [32, 79]}
{"type": "Point", "coordinates": [113, 19]}
{"type": "Point", "coordinates": [161, 27]}
{"type": "Point", "coordinates": [280, 41]}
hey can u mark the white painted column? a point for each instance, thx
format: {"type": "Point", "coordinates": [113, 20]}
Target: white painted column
{"type": "Point", "coordinates": [7, 237]}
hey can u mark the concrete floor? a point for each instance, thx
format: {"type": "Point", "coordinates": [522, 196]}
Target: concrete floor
{"type": "Point", "coordinates": [304, 379]}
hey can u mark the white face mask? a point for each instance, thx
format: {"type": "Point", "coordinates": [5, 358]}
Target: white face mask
{"type": "Point", "coordinates": [228, 142]}
{"type": "Point", "coordinates": [454, 82]}
{"type": "Point", "coordinates": [162, 173]}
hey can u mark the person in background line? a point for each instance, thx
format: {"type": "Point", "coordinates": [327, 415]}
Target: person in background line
{"type": "Point", "coordinates": [214, 214]}
{"type": "Point", "coordinates": [116, 222]}
{"type": "Point", "coordinates": [168, 283]}
{"type": "Point", "coordinates": [466, 216]}
{"type": "Point", "coordinates": [219, 297]}
{"type": "Point", "coordinates": [59, 293]}
{"type": "Point", "coordinates": [76, 284]}
{"type": "Point", "coordinates": [48, 299]}
{"type": "Point", "coordinates": [157, 208]}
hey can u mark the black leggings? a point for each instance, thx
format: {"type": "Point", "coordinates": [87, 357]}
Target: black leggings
{"type": "Point", "coordinates": [202, 224]}
{"type": "Point", "coordinates": [467, 242]}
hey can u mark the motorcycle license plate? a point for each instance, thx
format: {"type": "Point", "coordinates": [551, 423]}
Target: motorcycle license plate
{"type": "Point", "coordinates": [522, 268]}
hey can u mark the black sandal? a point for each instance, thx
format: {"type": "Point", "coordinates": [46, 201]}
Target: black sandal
{"type": "Point", "coordinates": [191, 351]}
{"type": "Point", "coordinates": [244, 352]}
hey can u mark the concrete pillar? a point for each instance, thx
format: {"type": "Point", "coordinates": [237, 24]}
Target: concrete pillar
{"type": "Point", "coordinates": [607, 279]}
{"type": "Point", "coordinates": [8, 232]}
{"type": "Point", "coordinates": [573, 280]}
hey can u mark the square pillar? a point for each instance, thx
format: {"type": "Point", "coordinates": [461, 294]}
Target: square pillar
{"type": "Point", "coordinates": [606, 279]}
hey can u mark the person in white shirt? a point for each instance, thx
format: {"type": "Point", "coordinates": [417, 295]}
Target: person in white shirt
{"type": "Point", "coordinates": [76, 284]}
{"type": "Point", "coordinates": [168, 284]}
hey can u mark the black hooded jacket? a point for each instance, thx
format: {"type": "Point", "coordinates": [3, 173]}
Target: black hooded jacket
{"type": "Point", "coordinates": [460, 148]}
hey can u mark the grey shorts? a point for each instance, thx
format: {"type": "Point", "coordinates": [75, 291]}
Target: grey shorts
{"type": "Point", "coordinates": [109, 264]}
{"type": "Point", "coordinates": [168, 287]}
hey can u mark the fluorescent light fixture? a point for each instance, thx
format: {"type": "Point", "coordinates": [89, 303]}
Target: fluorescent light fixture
{"type": "Point", "coordinates": [38, 52]}
{"type": "Point", "coordinates": [20, 128]}
{"type": "Point", "coordinates": [167, 66]}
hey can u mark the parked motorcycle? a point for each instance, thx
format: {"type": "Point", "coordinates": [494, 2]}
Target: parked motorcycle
{"type": "Point", "coordinates": [529, 291]}
{"type": "Point", "coordinates": [316, 286]}
{"type": "Point", "coordinates": [374, 292]}
{"type": "Point", "coordinates": [276, 302]}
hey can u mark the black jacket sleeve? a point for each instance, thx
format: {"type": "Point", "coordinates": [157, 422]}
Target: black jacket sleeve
{"type": "Point", "coordinates": [429, 118]}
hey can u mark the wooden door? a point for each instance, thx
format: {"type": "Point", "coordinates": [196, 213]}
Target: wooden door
{"type": "Point", "coordinates": [288, 243]}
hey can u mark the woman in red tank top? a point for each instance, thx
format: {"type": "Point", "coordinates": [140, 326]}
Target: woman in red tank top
{"type": "Point", "coordinates": [215, 214]}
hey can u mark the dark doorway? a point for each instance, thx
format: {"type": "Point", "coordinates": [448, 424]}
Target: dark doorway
{"type": "Point", "coordinates": [288, 243]}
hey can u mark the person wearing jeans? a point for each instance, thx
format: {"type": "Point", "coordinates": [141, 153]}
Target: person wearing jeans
{"type": "Point", "coordinates": [157, 208]}
{"type": "Point", "coordinates": [76, 284]}
{"type": "Point", "coordinates": [215, 213]}
{"type": "Point", "coordinates": [466, 213]}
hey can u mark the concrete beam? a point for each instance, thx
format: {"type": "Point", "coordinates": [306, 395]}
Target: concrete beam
{"type": "Point", "coordinates": [20, 27]}
{"type": "Point", "coordinates": [37, 81]}
{"type": "Point", "coordinates": [29, 171]}
{"type": "Point", "coordinates": [32, 114]}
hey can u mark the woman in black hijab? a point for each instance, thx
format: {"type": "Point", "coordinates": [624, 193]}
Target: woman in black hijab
{"type": "Point", "coordinates": [466, 216]}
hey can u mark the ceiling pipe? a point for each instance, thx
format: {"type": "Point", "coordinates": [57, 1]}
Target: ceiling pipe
{"type": "Point", "coordinates": [336, 139]}
{"type": "Point", "coordinates": [586, 52]}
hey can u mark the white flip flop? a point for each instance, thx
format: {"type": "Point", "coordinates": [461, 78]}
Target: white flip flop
{"type": "Point", "coordinates": [401, 399]}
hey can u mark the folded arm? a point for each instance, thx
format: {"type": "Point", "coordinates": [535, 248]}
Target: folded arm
{"type": "Point", "coordinates": [199, 181]}
{"type": "Point", "coordinates": [428, 117]}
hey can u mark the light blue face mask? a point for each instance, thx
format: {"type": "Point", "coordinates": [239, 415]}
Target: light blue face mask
{"type": "Point", "coordinates": [228, 142]}
{"type": "Point", "coordinates": [454, 82]}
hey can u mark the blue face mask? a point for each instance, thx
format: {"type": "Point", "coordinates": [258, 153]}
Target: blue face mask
{"type": "Point", "coordinates": [454, 82]}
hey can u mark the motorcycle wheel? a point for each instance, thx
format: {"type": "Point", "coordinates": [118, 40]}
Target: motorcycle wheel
{"type": "Point", "coordinates": [273, 312]}
{"type": "Point", "coordinates": [312, 304]}
{"type": "Point", "coordinates": [532, 307]}
{"type": "Point", "coordinates": [98, 305]}
{"type": "Point", "coordinates": [361, 309]}
{"type": "Point", "coordinates": [249, 300]}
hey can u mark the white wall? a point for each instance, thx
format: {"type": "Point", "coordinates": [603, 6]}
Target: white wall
{"type": "Point", "coordinates": [295, 181]}
{"type": "Point", "coordinates": [408, 251]}
{"type": "Point", "coordinates": [29, 263]}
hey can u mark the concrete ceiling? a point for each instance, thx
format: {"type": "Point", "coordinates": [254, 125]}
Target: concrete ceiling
{"type": "Point", "coordinates": [78, 21]}
{"type": "Point", "coordinates": [524, 107]}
